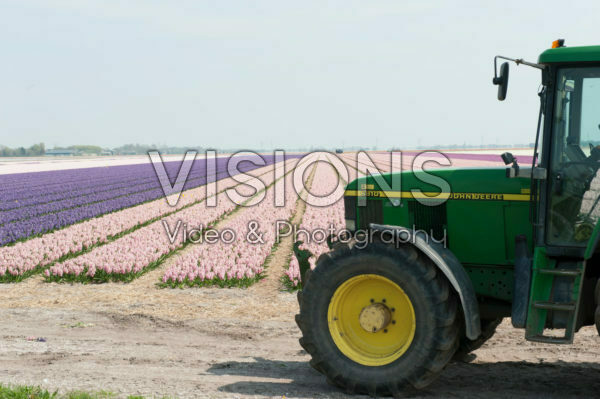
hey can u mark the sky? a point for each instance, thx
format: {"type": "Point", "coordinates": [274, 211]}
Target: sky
{"type": "Point", "coordinates": [275, 74]}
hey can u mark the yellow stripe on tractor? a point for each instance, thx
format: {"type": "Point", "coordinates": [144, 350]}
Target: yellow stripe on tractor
{"type": "Point", "coordinates": [437, 196]}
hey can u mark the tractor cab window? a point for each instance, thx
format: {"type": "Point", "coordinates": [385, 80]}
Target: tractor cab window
{"type": "Point", "coordinates": [575, 157]}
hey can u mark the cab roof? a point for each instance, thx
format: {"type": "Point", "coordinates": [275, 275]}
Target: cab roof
{"type": "Point", "coordinates": [570, 54]}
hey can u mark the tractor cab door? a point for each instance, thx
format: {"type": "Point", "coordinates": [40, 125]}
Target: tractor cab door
{"type": "Point", "coordinates": [574, 160]}
{"type": "Point", "coordinates": [572, 195]}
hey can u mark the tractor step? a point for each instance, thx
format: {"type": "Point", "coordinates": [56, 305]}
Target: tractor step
{"type": "Point", "coordinates": [561, 272]}
{"type": "Point", "coordinates": [550, 340]}
{"type": "Point", "coordinates": [554, 298]}
{"type": "Point", "coordinates": [567, 307]}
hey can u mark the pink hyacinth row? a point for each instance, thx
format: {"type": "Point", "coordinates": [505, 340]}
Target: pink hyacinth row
{"type": "Point", "coordinates": [244, 258]}
{"type": "Point", "coordinates": [133, 252]}
{"type": "Point", "coordinates": [316, 217]}
{"type": "Point", "coordinates": [382, 160]}
{"type": "Point", "coordinates": [40, 251]}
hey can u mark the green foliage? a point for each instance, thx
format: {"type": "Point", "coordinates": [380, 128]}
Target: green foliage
{"type": "Point", "coordinates": [215, 282]}
{"type": "Point", "coordinates": [289, 284]}
{"type": "Point", "coordinates": [101, 276]}
{"type": "Point", "coordinates": [25, 392]}
{"type": "Point", "coordinates": [142, 149]}
{"type": "Point", "coordinates": [86, 149]}
{"type": "Point", "coordinates": [303, 256]}
{"type": "Point", "coordinates": [34, 150]}
{"type": "Point", "coordinates": [85, 395]}
{"type": "Point", "coordinates": [31, 392]}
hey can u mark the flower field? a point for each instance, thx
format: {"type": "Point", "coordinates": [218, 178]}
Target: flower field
{"type": "Point", "coordinates": [320, 217]}
{"type": "Point", "coordinates": [316, 217]}
{"type": "Point", "coordinates": [35, 203]}
{"type": "Point", "coordinates": [132, 254]}
{"type": "Point", "coordinates": [239, 262]}
{"type": "Point", "coordinates": [21, 259]}
{"type": "Point", "coordinates": [98, 225]}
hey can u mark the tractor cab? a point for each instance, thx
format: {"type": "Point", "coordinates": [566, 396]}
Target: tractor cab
{"type": "Point", "coordinates": [565, 189]}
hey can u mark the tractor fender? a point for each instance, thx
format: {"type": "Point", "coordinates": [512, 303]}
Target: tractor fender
{"type": "Point", "coordinates": [448, 264]}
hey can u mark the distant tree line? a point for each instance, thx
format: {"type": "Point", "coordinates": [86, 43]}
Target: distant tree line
{"type": "Point", "coordinates": [476, 146]}
{"type": "Point", "coordinates": [142, 149]}
{"type": "Point", "coordinates": [82, 149]}
{"type": "Point", "coordinates": [34, 150]}
{"type": "Point", "coordinates": [127, 149]}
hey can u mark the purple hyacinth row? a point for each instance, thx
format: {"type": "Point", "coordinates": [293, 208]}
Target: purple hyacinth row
{"type": "Point", "coordinates": [54, 186]}
{"type": "Point", "coordinates": [79, 204]}
{"type": "Point", "coordinates": [79, 198]}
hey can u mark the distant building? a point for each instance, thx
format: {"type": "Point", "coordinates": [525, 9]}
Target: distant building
{"type": "Point", "coordinates": [107, 152]}
{"type": "Point", "coordinates": [59, 152]}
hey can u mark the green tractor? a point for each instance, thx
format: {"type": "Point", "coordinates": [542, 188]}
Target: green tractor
{"type": "Point", "coordinates": [441, 268]}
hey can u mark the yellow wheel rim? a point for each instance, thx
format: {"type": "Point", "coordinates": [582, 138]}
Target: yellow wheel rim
{"type": "Point", "coordinates": [371, 320]}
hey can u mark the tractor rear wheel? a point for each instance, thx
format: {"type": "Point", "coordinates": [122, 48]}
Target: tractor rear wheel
{"type": "Point", "coordinates": [378, 320]}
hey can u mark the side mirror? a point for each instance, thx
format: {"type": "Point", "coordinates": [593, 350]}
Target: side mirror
{"type": "Point", "coordinates": [508, 158]}
{"type": "Point", "coordinates": [502, 81]}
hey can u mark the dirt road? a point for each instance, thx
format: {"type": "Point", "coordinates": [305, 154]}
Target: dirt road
{"type": "Point", "coordinates": [245, 357]}
{"type": "Point", "coordinates": [232, 343]}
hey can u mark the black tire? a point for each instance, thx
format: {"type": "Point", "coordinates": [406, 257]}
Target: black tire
{"type": "Point", "coordinates": [435, 306]}
{"type": "Point", "coordinates": [488, 329]}
{"type": "Point", "coordinates": [338, 246]}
